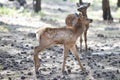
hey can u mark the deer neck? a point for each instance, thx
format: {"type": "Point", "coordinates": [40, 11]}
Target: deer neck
{"type": "Point", "coordinates": [79, 28]}
{"type": "Point", "coordinates": [84, 13]}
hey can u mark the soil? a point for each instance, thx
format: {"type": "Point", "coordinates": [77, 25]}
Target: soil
{"type": "Point", "coordinates": [17, 40]}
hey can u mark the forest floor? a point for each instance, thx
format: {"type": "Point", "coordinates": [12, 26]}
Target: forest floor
{"type": "Point", "coordinates": [17, 39]}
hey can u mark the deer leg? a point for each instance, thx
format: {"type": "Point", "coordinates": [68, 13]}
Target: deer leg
{"type": "Point", "coordinates": [85, 37]}
{"type": "Point", "coordinates": [37, 49]}
{"type": "Point", "coordinates": [81, 40]}
{"type": "Point", "coordinates": [65, 57]}
{"type": "Point", "coordinates": [73, 49]}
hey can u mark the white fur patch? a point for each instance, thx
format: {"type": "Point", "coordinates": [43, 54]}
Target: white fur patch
{"type": "Point", "coordinates": [41, 30]}
{"type": "Point", "coordinates": [38, 36]}
{"type": "Point", "coordinates": [38, 33]}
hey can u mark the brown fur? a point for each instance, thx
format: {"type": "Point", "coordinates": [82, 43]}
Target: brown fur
{"type": "Point", "coordinates": [71, 20]}
{"type": "Point", "coordinates": [65, 35]}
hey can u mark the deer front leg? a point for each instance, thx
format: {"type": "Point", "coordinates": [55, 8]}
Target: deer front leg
{"type": "Point", "coordinates": [74, 51]}
{"type": "Point", "coordinates": [37, 49]}
{"type": "Point", "coordinates": [85, 37]}
{"type": "Point", "coordinates": [65, 57]}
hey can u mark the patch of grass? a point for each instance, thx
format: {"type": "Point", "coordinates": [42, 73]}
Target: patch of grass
{"type": "Point", "coordinates": [24, 12]}
{"type": "Point", "coordinates": [41, 13]}
{"type": "Point", "coordinates": [117, 14]}
{"type": "Point", "coordinates": [5, 10]}
{"type": "Point", "coordinates": [74, 0]}
{"type": "Point", "coordinates": [3, 28]}
{"type": "Point", "coordinates": [1, 67]}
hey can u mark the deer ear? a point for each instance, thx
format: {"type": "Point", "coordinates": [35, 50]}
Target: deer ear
{"type": "Point", "coordinates": [88, 4]}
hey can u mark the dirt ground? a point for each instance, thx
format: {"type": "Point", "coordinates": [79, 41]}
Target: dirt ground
{"type": "Point", "coordinates": [17, 40]}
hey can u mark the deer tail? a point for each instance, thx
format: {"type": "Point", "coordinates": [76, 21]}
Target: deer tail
{"type": "Point", "coordinates": [39, 32]}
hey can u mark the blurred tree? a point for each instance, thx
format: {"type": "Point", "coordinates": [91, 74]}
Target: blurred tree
{"type": "Point", "coordinates": [106, 10]}
{"type": "Point", "coordinates": [118, 3]}
{"type": "Point", "coordinates": [21, 2]}
{"type": "Point", "coordinates": [80, 1]}
{"type": "Point", "coordinates": [1, 5]}
{"type": "Point", "coordinates": [37, 5]}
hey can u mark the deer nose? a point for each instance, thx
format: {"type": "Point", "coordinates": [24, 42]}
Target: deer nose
{"type": "Point", "coordinates": [91, 20]}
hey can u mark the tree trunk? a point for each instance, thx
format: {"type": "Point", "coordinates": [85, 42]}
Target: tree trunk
{"type": "Point", "coordinates": [106, 10]}
{"type": "Point", "coordinates": [118, 3]}
{"type": "Point", "coordinates": [80, 1]}
{"type": "Point", "coordinates": [11, 0]}
{"type": "Point", "coordinates": [22, 2]}
{"type": "Point", "coordinates": [37, 5]}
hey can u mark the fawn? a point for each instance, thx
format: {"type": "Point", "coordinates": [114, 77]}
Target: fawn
{"type": "Point", "coordinates": [71, 19]}
{"type": "Point", "coordinates": [82, 7]}
{"type": "Point", "coordinates": [67, 36]}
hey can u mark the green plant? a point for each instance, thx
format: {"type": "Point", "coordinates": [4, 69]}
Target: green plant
{"type": "Point", "coordinates": [3, 28]}
{"type": "Point", "coordinates": [5, 10]}
{"type": "Point", "coordinates": [41, 13]}
{"type": "Point", "coordinates": [117, 14]}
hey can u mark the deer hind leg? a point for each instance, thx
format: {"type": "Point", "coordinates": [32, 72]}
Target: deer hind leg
{"type": "Point", "coordinates": [85, 37]}
{"type": "Point", "coordinates": [37, 49]}
{"type": "Point", "coordinates": [43, 43]}
{"type": "Point", "coordinates": [74, 51]}
{"type": "Point", "coordinates": [81, 40]}
{"type": "Point", "coordinates": [65, 57]}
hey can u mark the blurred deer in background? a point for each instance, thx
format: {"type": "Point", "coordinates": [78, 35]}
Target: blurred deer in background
{"type": "Point", "coordinates": [71, 19]}
{"type": "Point", "coordinates": [48, 36]}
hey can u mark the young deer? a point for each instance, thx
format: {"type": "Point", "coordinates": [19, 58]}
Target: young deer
{"type": "Point", "coordinates": [82, 7]}
{"type": "Point", "coordinates": [71, 19]}
{"type": "Point", "coordinates": [67, 36]}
